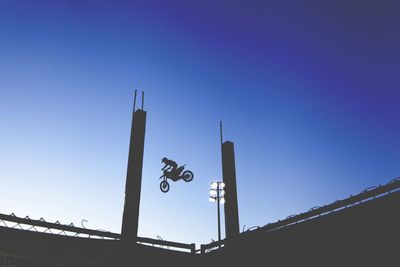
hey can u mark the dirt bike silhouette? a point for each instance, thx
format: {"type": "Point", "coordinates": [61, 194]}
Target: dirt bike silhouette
{"type": "Point", "coordinates": [174, 175]}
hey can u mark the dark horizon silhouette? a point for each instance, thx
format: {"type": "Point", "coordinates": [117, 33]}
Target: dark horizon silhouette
{"type": "Point", "coordinates": [308, 92]}
{"type": "Point", "coordinates": [359, 230]}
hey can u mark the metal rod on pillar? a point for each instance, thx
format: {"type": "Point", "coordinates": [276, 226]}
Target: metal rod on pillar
{"type": "Point", "coordinates": [220, 131]}
{"type": "Point", "coordinates": [134, 101]}
{"type": "Point", "coordinates": [142, 99]}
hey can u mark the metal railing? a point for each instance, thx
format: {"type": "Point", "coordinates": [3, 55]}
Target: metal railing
{"type": "Point", "coordinates": [206, 248]}
{"type": "Point", "coordinates": [62, 229]}
{"type": "Point", "coordinates": [166, 244]}
{"type": "Point", "coordinates": [41, 226]}
{"type": "Point", "coordinates": [367, 194]}
{"type": "Point", "coordinates": [50, 228]}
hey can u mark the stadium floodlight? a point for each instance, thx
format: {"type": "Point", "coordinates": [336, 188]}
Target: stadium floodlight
{"type": "Point", "coordinates": [214, 185]}
{"type": "Point", "coordinates": [213, 193]}
{"type": "Point", "coordinates": [217, 196]}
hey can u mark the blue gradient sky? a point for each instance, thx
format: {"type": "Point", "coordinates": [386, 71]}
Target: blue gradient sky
{"type": "Point", "coordinates": [309, 93]}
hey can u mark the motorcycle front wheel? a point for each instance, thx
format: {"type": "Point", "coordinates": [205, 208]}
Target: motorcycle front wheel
{"type": "Point", "coordinates": [164, 186]}
{"type": "Point", "coordinates": [187, 176]}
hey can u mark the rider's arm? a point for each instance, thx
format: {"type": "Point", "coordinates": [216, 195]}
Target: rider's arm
{"type": "Point", "coordinates": [164, 167]}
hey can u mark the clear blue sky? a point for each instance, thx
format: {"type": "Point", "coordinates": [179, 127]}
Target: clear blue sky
{"type": "Point", "coordinates": [308, 92]}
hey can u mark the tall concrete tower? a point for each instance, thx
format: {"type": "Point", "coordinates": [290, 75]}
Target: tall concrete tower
{"type": "Point", "coordinates": [133, 184]}
{"type": "Point", "coordinates": [229, 178]}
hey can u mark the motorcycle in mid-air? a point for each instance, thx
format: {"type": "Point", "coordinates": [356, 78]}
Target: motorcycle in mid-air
{"type": "Point", "coordinates": [175, 175]}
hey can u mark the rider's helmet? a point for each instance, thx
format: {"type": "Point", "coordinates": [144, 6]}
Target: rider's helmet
{"type": "Point", "coordinates": [164, 159]}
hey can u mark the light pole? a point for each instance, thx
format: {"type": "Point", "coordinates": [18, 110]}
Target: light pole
{"type": "Point", "coordinates": [217, 193]}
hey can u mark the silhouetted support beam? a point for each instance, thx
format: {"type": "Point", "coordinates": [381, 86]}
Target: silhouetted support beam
{"type": "Point", "coordinates": [191, 247]}
{"type": "Point", "coordinates": [211, 246]}
{"type": "Point", "coordinates": [130, 218]}
{"type": "Point", "coordinates": [231, 204]}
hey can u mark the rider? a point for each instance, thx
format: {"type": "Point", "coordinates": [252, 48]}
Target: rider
{"type": "Point", "coordinates": [170, 167]}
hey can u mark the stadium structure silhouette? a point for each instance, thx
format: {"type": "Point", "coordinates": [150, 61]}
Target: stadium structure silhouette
{"type": "Point", "coordinates": [361, 230]}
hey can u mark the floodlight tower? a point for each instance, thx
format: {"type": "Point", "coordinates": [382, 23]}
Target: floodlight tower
{"type": "Point", "coordinates": [217, 193]}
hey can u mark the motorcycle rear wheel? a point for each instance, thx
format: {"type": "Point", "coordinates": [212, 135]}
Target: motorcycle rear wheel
{"type": "Point", "coordinates": [187, 176]}
{"type": "Point", "coordinates": [164, 186]}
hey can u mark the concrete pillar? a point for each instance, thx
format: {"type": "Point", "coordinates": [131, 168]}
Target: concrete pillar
{"type": "Point", "coordinates": [229, 178]}
{"type": "Point", "coordinates": [133, 184]}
